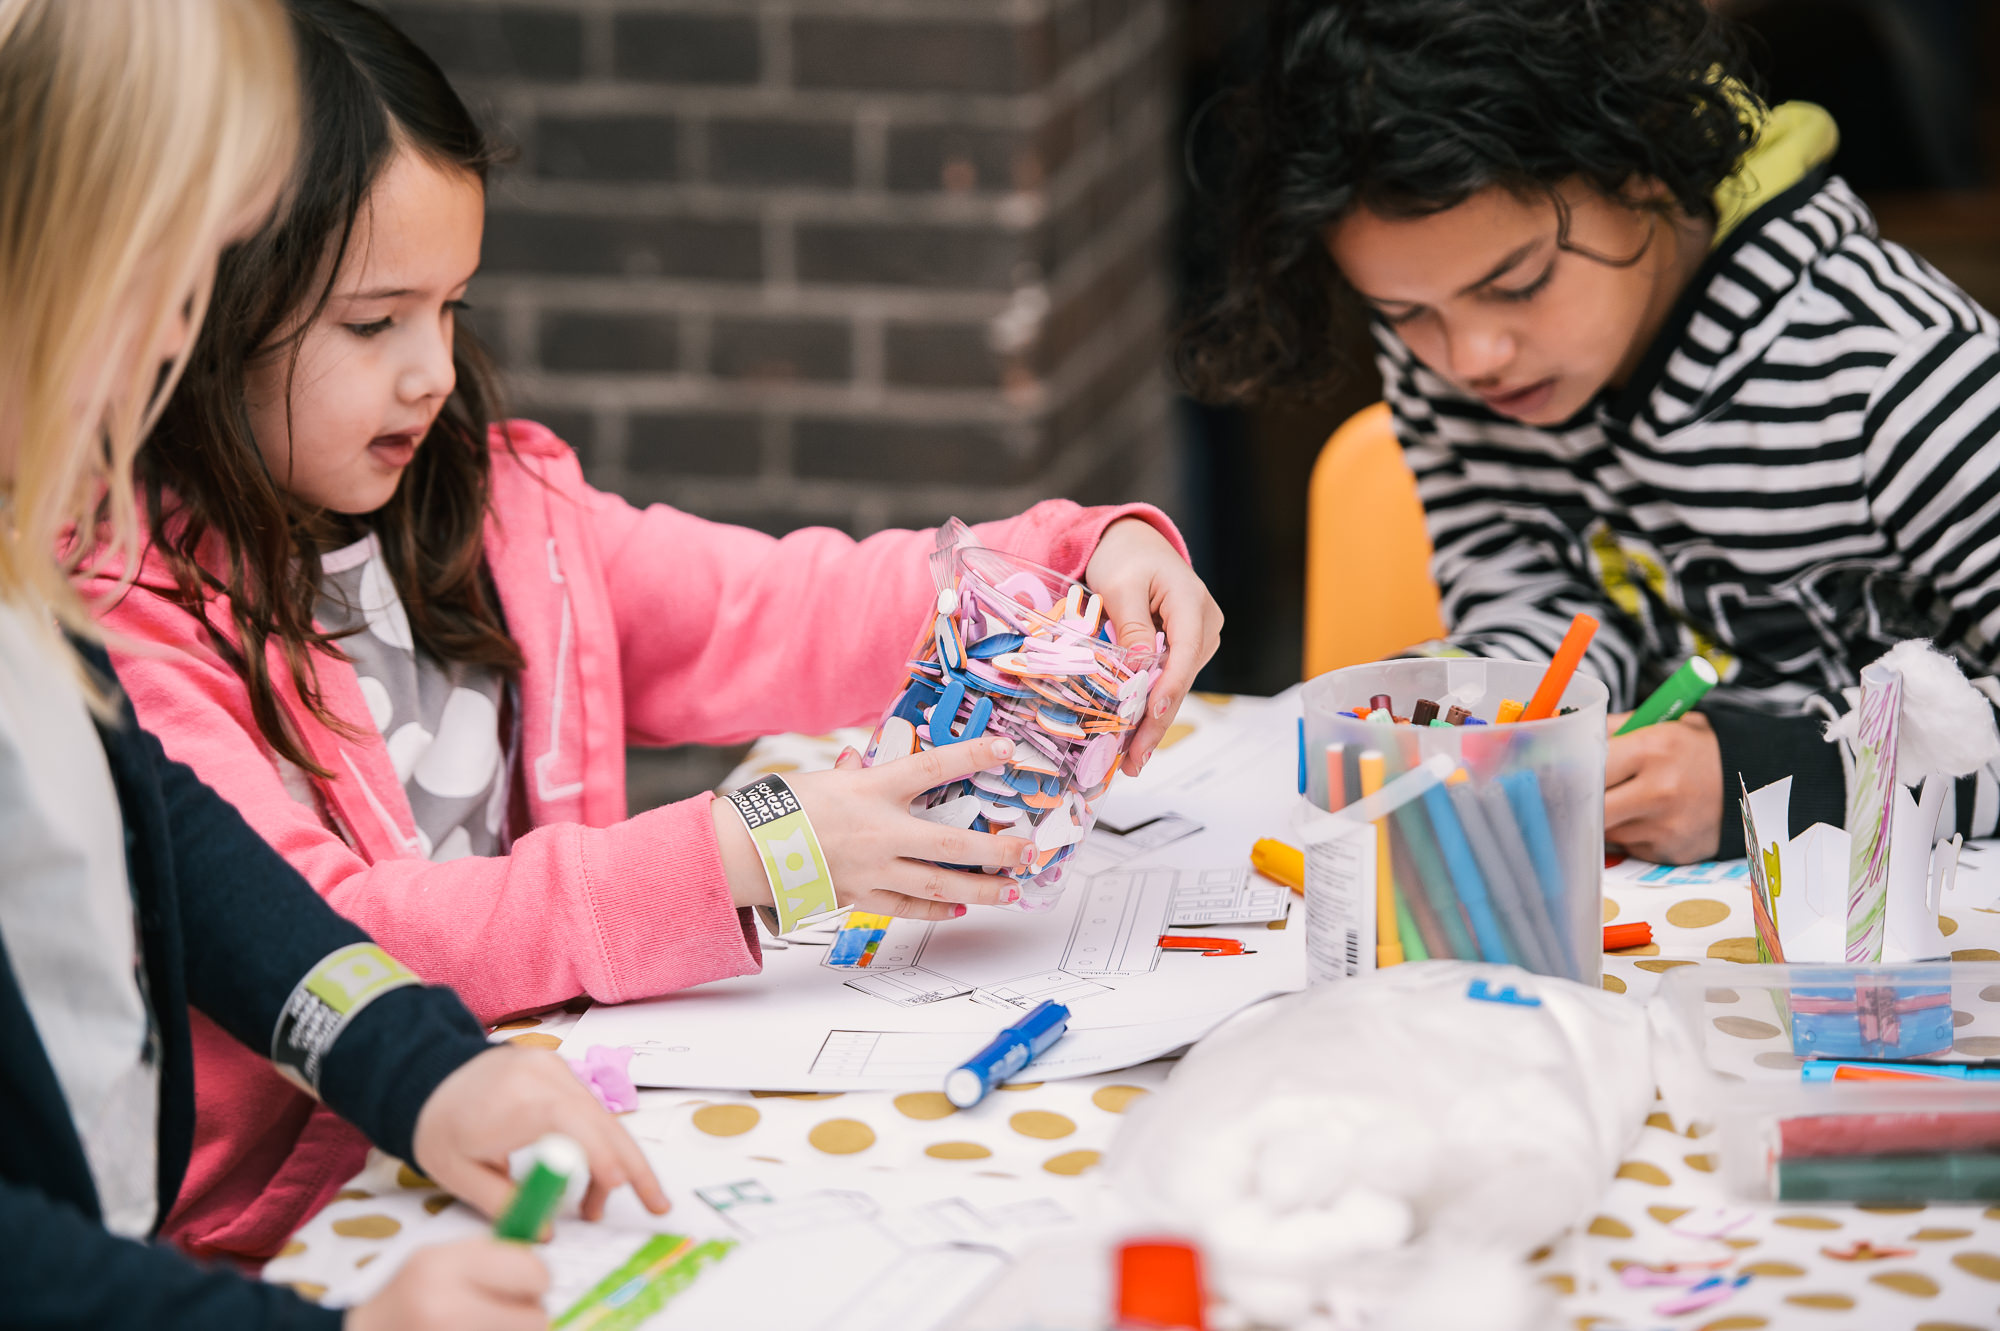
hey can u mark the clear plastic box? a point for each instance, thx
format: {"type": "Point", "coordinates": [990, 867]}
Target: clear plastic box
{"type": "Point", "coordinates": [1736, 1040]}
{"type": "Point", "coordinates": [1503, 862]}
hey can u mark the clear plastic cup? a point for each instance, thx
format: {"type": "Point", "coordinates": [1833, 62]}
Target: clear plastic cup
{"type": "Point", "coordinates": [1500, 861]}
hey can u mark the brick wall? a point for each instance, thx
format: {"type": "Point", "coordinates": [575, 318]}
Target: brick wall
{"type": "Point", "coordinates": [856, 262]}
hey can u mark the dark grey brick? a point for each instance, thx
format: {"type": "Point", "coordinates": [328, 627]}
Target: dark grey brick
{"type": "Point", "coordinates": [571, 243]}
{"type": "Point", "coordinates": [694, 443]}
{"type": "Point", "coordinates": [960, 159]}
{"type": "Point", "coordinates": [780, 152]}
{"type": "Point", "coordinates": [493, 41]}
{"type": "Point", "coordinates": [781, 349]}
{"type": "Point", "coordinates": [899, 451]}
{"type": "Point", "coordinates": [610, 343]}
{"type": "Point", "coordinates": [917, 255]}
{"type": "Point", "coordinates": [920, 55]}
{"type": "Point", "coordinates": [621, 148]}
{"type": "Point", "coordinates": [686, 48]}
{"type": "Point", "coordinates": [940, 356]}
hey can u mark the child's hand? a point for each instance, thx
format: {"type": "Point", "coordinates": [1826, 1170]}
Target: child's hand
{"type": "Point", "coordinates": [471, 1285]}
{"type": "Point", "coordinates": [1145, 582]}
{"type": "Point", "coordinates": [876, 849]}
{"type": "Point", "coordinates": [507, 1098]}
{"type": "Point", "coordinates": [1663, 791]}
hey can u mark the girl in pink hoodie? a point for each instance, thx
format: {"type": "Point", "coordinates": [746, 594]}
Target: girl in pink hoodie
{"type": "Point", "coordinates": [411, 645]}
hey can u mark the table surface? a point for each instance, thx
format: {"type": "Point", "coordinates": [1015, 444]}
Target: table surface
{"type": "Point", "coordinates": [1058, 1131]}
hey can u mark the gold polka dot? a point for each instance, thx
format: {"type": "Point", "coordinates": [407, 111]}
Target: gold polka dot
{"type": "Point", "coordinates": [1541, 1254]}
{"type": "Point", "coordinates": [1561, 1284]}
{"type": "Point", "coordinates": [1023, 1086]}
{"type": "Point", "coordinates": [1641, 1172]}
{"type": "Point", "coordinates": [1664, 1122]}
{"type": "Point", "coordinates": [1947, 925]}
{"type": "Point", "coordinates": [1939, 1234]}
{"type": "Point", "coordinates": [1041, 1123]}
{"type": "Point", "coordinates": [1772, 1269]}
{"type": "Point", "coordinates": [1700, 1161]}
{"type": "Point", "coordinates": [1982, 1264]}
{"type": "Point", "coordinates": [1610, 1227]}
{"type": "Point", "coordinates": [367, 1227]}
{"type": "Point", "coordinates": [1746, 1028]}
{"type": "Point", "coordinates": [1806, 1222]}
{"type": "Point", "coordinates": [1959, 1018]}
{"type": "Point", "coordinates": [727, 1120]}
{"type": "Point", "coordinates": [1776, 1058]}
{"type": "Point", "coordinates": [308, 1290]}
{"type": "Point", "coordinates": [1610, 910]}
{"type": "Point", "coordinates": [1740, 950]}
{"type": "Point", "coordinates": [1913, 1283]}
{"type": "Point", "coordinates": [357, 1194]}
{"type": "Point", "coordinates": [410, 1178]}
{"type": "Point", "coordinates": [1696, 914]}
{"type": "Point", "coordinates": [1825, 1302]}
{"type": "Point", "coordinates": [1738, 1244]}
{"type": "Point", "coordinates": [842, 1136]}
{"type": "Point", "coordinates": [1072, 1162]}
{"type": "Point", "coordinates": [536, 1040]}
{"type": "Point", "coordinates": [292, 1249]}
{"type": "Point", "coordinates": [1990, 994]}
{"type": "Point", "coordinates": [1978, 1046]}
{"type": "Point", "coordinates": [956, 1151]}
{"type": "Point", "coordinates": [1280, 924]}
{"type": "Point", "coordinates": [1946, 1326]}
{"type": "Point", "coordinates": [1177, 732]}
{"type": "Point", "coordinates": [796, 1095]}
{"type": "Point", "coordinates": [365, 1260]}
{"type": "Point", "coordinates": [1887, 1208]}
{"type": "Point", "coordinates": [777, 767]}
{"type": "Point", "coordinates": [924, 1105]}
{"type": "Point", "coordinates": [437, 1202]}
{"type": "Point", "coordinates": [1661, 965]}
{"type": "Point", "coordinates": [1721, 996]}
{"type": "Point", "coordinates": [1735, 1322]}
{"type": "Point", "coordinates": [1666, 1215]}
{"type": "Point", "coordinates": [1614, 984]}
{"type": "Point", "coordinates": [767, 1159]}
{"type": "Point", "coordinates": [1975, 954]}
{"type": "Point", "coordinates": [519, 1024]}
{"type": "Point", "coordinates": [1116, 1099]}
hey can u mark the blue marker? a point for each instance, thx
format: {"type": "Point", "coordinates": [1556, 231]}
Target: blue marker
{"type": "Point", "coordinates": [1465, 878]}
{"type": "Point", "coordinates": [1823, 1069]}
{"type": "Point", "coordinates": [1524, 792]}
{"type": "Point", "coordinates": [1011, 1050]}
{"type": "Point", "coordinates": [1302, 755]}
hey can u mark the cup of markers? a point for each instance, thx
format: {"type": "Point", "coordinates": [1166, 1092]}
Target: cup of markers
{"type": "Point", "coordinates": [1470, 796]}
{"type": "Point", "coordinates": [1015, 649]}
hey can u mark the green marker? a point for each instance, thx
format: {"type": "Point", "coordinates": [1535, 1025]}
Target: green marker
{"type": "Point", "coordinates": [555, 1160]}
{"type": "Point", "coordinates": [1966, 1177]}
{"type": "Point", "coordinates": [1683, 689]}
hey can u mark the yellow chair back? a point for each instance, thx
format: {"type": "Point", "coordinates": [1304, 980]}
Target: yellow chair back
{"type": "Point", "coordinates": [1369, 592]}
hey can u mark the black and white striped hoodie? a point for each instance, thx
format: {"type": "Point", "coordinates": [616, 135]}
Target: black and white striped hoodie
{"type": "Point", "coordinates": [1804, 471]}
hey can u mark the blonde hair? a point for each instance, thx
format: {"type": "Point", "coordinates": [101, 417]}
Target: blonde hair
{"type": "Point", "coordinates": [133, 135]}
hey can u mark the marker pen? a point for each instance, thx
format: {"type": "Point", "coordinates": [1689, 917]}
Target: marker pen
{"type": "Point", "coordinates": [1011, 1050]}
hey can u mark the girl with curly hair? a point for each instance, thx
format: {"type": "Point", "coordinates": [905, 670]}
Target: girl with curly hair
{"type": "Point", "coordinates": [1648, 358]}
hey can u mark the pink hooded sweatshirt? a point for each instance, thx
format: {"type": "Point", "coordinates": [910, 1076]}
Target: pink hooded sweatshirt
{"type": "Point", "coordinates": [640, 626]}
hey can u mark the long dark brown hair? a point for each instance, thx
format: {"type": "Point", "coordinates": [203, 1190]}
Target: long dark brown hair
{"type": "Point", "coordinates": [224, 524]}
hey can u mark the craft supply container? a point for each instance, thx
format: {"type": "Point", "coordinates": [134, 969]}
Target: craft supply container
{"type": "Point", "coordinates": [1015, 649]}
{"type": "Point", "coordinates": [1726, 1037]}
{"type": "Point", "coordinates": [1503, 862]}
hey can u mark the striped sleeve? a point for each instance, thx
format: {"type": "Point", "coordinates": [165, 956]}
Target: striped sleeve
{"type": "Point", "coordinates": [1933, 470]}
{"type": "Point", "coordinates": [1509, 573]}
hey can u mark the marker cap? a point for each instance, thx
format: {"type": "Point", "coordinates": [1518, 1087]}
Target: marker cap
{"type": "Point", "coordinates": [1159, 1285]}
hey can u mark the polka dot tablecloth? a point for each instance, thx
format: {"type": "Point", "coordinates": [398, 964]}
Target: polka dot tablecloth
{"type": "Point", "coordinates": [1933, 1268]}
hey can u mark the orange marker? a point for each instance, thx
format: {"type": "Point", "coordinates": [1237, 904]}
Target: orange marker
{"type": "Point", "coordinates": [1280, 863]}
{"type": "Point", "coordinates": [1388, 943]}
{"type": "Point", "coordinates": [1618, 936]}
{"type": "Point", "coordinates": [1510, 711]}
{"type": "Point", "coordinates": [1568, 657]}
{"type": "Point", "coordinates": [1848, 1072]}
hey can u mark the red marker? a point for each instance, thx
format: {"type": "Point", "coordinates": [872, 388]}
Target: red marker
{"type": "Point", "coordinates": [1618, 936]}
{"type": "Point", "coordinates": [1207, 947]}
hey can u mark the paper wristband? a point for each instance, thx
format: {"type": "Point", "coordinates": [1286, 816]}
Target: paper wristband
{"type": "Point", "coordinates": [324, 1002]}
{"type": "Point", "coordinates": [792, 858]}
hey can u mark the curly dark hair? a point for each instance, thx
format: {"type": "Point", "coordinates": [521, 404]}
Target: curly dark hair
{"type": "Point", "coordinates": [1409, 107]}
